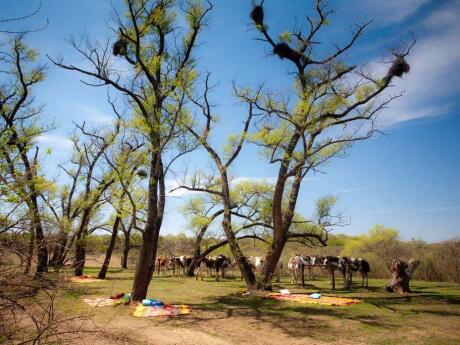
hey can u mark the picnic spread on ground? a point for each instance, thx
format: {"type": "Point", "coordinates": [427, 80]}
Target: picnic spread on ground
{"type": "Point", "coordinates": [314, 298]}
{"type": "Point", "coordinates": [146, 308]}
{"type": "Point", "coordinates": [161, 310]}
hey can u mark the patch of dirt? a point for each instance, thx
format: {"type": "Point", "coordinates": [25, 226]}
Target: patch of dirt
{"type": "Point", "coordinates": [217, 328]}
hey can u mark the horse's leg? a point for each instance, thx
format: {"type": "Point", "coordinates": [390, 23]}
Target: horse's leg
{"type": "Point", "coordinates": [333, 279]}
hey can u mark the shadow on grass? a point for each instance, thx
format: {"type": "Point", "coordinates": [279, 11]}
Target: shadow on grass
{"type": "Point", "coordinates": [295, 319]}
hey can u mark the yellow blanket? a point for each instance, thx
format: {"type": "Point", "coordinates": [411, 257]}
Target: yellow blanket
{"type": "Point", "coordinates": [165, 310]}
{"type": "Point", "coordinates": [323, 300]}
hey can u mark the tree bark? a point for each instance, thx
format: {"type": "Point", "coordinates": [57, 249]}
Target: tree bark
{"type": "Point", "coordinates": [197, 253]}
{"type": "Point", "coordinates": [80, 245]}
{"type": "Point", "coordinates": [108, 254]}
{"type": "Point", "coordinates": [126, 248]}
{"type": "Point", "coordinates": [147, 253]}
{"type": "Point", "coordinates": [30, 252]}
{"type": "Point", "coordinates": [281, 221]}
{"type": "Point", "coordinates": [243, 264]}
{"type": "Point", "coordinates": [57, 258]}
{"type": "Point", "coordinates": [196, 259]}
{"type": "Point", "coordinates": [42, 250]}
{"type": "Point", "coordinates": [80, 254]}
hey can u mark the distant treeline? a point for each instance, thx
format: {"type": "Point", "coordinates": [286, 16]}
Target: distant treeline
{"type": "Point", "coordinates": [440, 261]}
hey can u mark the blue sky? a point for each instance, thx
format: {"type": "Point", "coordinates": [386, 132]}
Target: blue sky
{"type": "Point", "coordinates": [406, 179]}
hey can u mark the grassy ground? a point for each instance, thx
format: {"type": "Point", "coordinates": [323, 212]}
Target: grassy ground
{"type": "Point", "coordinates": [222, 315]}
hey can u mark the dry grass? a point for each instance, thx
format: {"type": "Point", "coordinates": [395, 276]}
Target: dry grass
{"type": "Point", "coordinates": [221, 315]}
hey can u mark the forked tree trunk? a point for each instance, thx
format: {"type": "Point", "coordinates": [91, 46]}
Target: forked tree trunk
{"type": "Point", "coordinates": [402, 273]}
{"type": "Point", "coordinates": [108, 254]}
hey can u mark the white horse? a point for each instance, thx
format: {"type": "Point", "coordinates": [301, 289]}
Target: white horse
{"type": "Point", "coordinates": [294, 267]}
{"type": "Point", "coordinates": [258, 263]}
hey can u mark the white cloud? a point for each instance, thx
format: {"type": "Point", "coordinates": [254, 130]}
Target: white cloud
{"type": "Point", "coordinates": [351, 190]}
{"type": "Point", "coordinates": [269, 180]}
{"type": "Point", "coordinates": [94, 115]}
{"type": "Point", "coordinates": [389, 11]}
{"type": "Point", "coordinates": [434, 76]}
{"type": "Point", "coordinates": [421, 210]}
{"type": "Point", "coordinates": [172, 184]}
{"type": "Point", "coordinates": [54, 141]}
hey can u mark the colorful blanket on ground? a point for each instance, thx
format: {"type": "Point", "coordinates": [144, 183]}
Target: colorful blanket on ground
{"type": "Point", "coordinates": [164, 310]}
{"type": "Point", "coordinates": [84, 279]}
{"type": "Point", "coordinates": [100, 301]}
{"type": "Point", "coordinates": [324, 300]}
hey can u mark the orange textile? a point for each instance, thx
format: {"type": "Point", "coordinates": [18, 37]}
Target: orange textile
{"type": "Point", "coordinates": [323, 300]}
{"type": "Point", "coordinates": [84, 279]}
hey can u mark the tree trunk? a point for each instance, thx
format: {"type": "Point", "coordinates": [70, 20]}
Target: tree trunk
{"type": "Point", "coordinates": [401, 275]}
{"type": "Point", "coordinates": [270, 264]}
{"type": "Point", "coordinates": [243, 264]}
{"type": "Point", "coordinates": [278, 234]}
{"type": "Point", "coordinates": [57, 258]}
{"type": "Point", "coordinates": [42, 250]}
{"type": "Point", "coordinates": [126, 248]}
{"type": "Point", "coordinates": [108, 254]}
{"type": "Point", "coordinates": [68, 247]}
{"type": "Point", "coordinates": [197, 253]}
{"type": "Point", "coordinates": [199, 237]}
{"type": "Point", "coordinates": [30, 252]}
{"type": "Point", "coordinates": [147, 253]}
{"type": "Point", "coordinates": [191, 268]}
{"type": "Point", "coordinates": [80, 246]}
{"type": "Point", "coordinates": [80, 255]}
{"type": "Point", "coordinates": [281, 221]}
